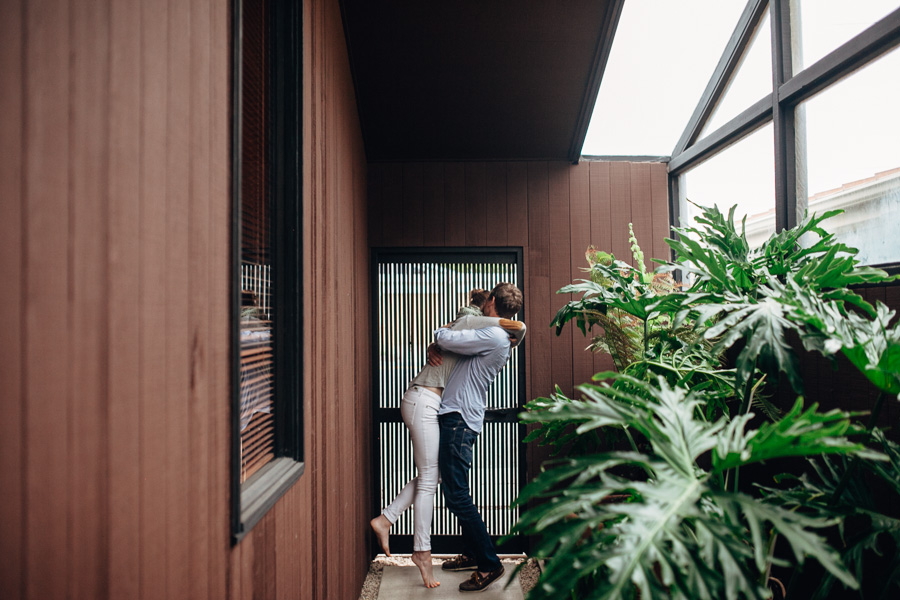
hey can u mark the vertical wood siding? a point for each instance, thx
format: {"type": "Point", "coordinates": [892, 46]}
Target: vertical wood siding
{"type": "Point", "coordinates": [554, 210]}
{"type": "Point", "coordinates": [12, 252]}
{"type": "Point", "coordinates": [114, 255]}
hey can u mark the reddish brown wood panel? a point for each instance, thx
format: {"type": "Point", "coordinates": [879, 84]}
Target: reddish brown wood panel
{"type": "Point", "coordinates": [455, 205]}
{"type": "Point", "coordinates": [177, 396]}
{"type": "Point", "coordinates": [538, 283]}
{"type": "Point", "coordinates": [601, 236]}
{"type": "Point", "coordinates": [517, 235]}
{"type": "Point", "coordinates": [642, 211]}
{"type": "Point", "coordinates": [476, 215]}
{"type": "Point", "coordinates": [538, 303]}
{"type": "Point", "coordinates": [12, 450]}
{"type": "Point", "coordinates": [659, 192]}
{"type": "Point", "coordinates": [124, 560]}
{"type": "Point", "coordinates": [620, 207]}
{"type": "Point", "coordinates": [517, 204]}
{"type": "Point", "coordinates": [217, 471]}
{"type": "Point", "coordinates": [152, 305]}
{"type": "Point", "coordinates": [47, 338]}
{"type": "Point", "coordinates": [200, 402]}
{"type": "Point", "coordinates": [560, 228]}
{"type": "Point", "coordinates": [580, 228]}
{"type": "Point", "coordinates": [496, 220]}
{"type": "Point", "coordinates": [433, 209]}
{"type": "Point", "coordinates": [413, 209]}
{"type": "Point", "coordinates": [88, 299]}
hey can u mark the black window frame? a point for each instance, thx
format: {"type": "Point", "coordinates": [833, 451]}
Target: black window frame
{"type": "Point", "coordinates": [251, 500]}
{"type": "Point", "coordinates": [777, 107]}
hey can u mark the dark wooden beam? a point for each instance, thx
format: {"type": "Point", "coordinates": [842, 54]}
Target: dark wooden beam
{"type": "Point", "coordinates": [601, 56]}
{"type": "Point", "coordinates": [734, 130]}
{"type": "Point", "coordinates": [872, 43]}
{"type": "Point", "coordinates": [731, 57]}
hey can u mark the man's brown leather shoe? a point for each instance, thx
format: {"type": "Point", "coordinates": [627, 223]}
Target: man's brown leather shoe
{"type": "Point", "coordinates": [479, 583]}
{"type": "Point", "coordinates": [460, 562]}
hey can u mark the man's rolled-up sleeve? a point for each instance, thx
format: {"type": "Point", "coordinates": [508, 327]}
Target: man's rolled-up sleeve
{"type": "Point", "coordinates": [470, 342]}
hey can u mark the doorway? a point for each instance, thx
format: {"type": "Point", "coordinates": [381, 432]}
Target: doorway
{"type": "Point", "coordinates": [415, 291]}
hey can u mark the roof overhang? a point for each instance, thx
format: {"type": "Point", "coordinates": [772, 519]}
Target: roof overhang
{"type": "Point", "coordinates": [476, 79]}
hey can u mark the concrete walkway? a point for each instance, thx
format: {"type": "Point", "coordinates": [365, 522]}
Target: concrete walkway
{"type": "Point", "coordinates": [405, 583]}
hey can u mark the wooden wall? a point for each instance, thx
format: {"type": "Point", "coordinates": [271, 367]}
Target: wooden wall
{"type": "Point", "coordinates": [114, 362]}
{"type": "Point", "coordinates": [553, 210]}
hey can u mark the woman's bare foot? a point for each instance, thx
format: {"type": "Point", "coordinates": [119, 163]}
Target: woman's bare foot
{"type": "Point", "coordinates": [423, 561]}
{"type": "Point", "coordinates": [382, 527]}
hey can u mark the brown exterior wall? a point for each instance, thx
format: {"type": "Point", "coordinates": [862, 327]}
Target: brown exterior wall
{"type": "Point", "coordinates": [553, 210]}
{"type": "Point", "coordinates": [114, 362]}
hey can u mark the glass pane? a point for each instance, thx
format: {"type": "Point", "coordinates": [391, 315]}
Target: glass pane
{"type": "Point", "coordinates": [661, 59]}
{"type": "Point", "coordinates": [849, 158]}
{"type": "Point", "coordinates": [414, 299]}
{"type": "Point", "coordinates": [743, 174]}
{"type": "Point", "coordinates": [825, 25]}
{"type": "Point", "coordinates": [256, 343]}
{"type": "Point", "coordinates": [750, 82]}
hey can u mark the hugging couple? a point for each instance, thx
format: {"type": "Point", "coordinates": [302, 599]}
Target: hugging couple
{"type": "Point", "coordinates": [443, 408]}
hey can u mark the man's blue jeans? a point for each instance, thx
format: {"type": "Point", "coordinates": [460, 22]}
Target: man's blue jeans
{"type": "Point", "coordinates": [455, 460]}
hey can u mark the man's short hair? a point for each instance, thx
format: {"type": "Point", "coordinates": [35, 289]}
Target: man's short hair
{"type": "Point", "coordinates": [507, 299]}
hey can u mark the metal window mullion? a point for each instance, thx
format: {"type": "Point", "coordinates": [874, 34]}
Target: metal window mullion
{"type": "Point", "coordinates": [718, 83]}
{"type": "Point", "coordinates": [875, 41]}
{"type": "Point", "coordinates": [783, 118]}
{"type": "Point", "coordinates": [752, 118]}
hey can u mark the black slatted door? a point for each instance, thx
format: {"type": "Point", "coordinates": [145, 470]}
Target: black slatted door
{"type": "Point", "coordinates": [415, 292]}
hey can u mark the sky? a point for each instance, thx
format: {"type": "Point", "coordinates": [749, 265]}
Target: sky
{"type": "Point", "coordinates": [662, 58]}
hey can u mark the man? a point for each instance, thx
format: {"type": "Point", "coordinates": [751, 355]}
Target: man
{"type": "Point", "coordinates": [483, 352]}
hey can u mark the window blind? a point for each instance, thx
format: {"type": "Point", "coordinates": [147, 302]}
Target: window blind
{"type": "Point", "coordinates": [257, 425]}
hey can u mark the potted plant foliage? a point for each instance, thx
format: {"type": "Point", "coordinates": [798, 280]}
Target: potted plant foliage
{"type": "Point", "coordinates": [691, 528]}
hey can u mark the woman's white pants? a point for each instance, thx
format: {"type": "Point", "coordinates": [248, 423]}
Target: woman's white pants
{"type": "Point", "coordinates": [419, 409]}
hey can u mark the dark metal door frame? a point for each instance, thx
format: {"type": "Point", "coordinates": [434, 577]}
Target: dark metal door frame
{"type": "Point", "coordinates": [446, 255]}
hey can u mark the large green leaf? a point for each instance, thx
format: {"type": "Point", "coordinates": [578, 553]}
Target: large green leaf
{"type": "Point", "coordinates": [763, 326]}
{"type": "Point", "coordinates": [798, 433]}
{"type": "Point", "coordinates": [681, 534]}
{"type": "Point", "coordinates": [871, 344]}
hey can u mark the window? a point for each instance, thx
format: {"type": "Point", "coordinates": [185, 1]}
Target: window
{"type": "Point", "coordinates": [850, 161]}
{"type": "Point", "coordinates": [751, 81]}
{"type": "Point", "coordinates": [830, 120]}
{"type": "Point", "coordinates": [713, 183]}
{"type": "Point", "coordinates": [267, 444]}
{"type": "Point", "coordinates": [823, 25]}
